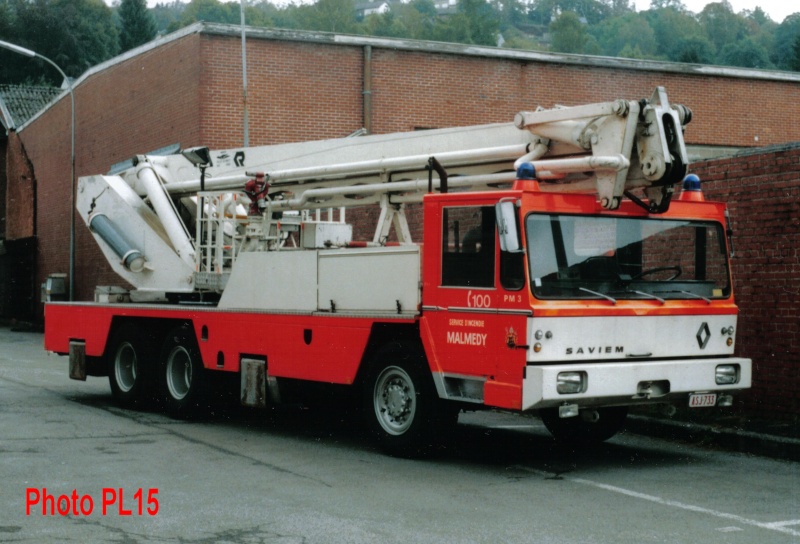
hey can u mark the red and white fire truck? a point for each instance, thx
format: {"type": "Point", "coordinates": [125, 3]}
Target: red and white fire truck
{"type": "Point", "coordinates": [555, 274]}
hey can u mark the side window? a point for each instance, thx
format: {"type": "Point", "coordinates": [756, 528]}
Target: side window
{"type": "Point", "coordinates": [468, 242]}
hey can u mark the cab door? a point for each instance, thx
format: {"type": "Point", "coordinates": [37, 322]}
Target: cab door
{"type": "Point", "coordinates": [475, 317]}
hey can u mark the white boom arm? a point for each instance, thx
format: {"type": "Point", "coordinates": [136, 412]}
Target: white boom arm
{"type": "Point", "coordinates": [608, 148]}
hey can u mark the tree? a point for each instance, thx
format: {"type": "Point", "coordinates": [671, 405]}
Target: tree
{"type": "Point", "coordinates": [482, 22]}
{"type": "Point", "coordinates": [213, 11]}
{"type": "Point", "coordinates": [694, 50]}
{"type": "Point", "coordinates": [568, 33]}
{"type": "Point", "coordinates": [758, 16]}
{"type": "Point", "coordinates": [546, 11]}
{"type": "Point", "coordinates": [677, 5]}
{"type": "Point", "coordinates": [75, 34]}
{"type": "Point", "coordinates": [795, 64]}
{"type": "Point", "coordinates": [167, 15]}
{"type": "Point", "coordinates": [328, 16]}
{"type": "Point", "coordinates": [620, 7]}
{"type": "Point", "coordinates": [722, 25]}
{"type": "Point", "coordinates": [745, 53]}
{"type": "Point", "coordinates": [384, 24]}
{"type": "Point", "coordinates": [11, 64]}
{"type": "Point", "coordinates": [419, 17]}
{"type": "Point", "coordinates": [136, 24]}
{"type": "Point", "coordinates": [510, 12]}
{"type": "Point", "coordinates": [678, 35]}
{"type": "Point", "coordinates": [630, 33]}
{"type": "Point", "coordinates": [783, 53]}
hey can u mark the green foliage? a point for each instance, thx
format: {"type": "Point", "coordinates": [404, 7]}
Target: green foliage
{"type": "Point", "coordinates": [676, 32]}
{"type": "Point", "coordinates": [629, 35]}
{"type": "Point", "coordinates": [165, 15]}
{"type": "Point", "coordinates": [694, 50]}
{"type": "Point", "coordinates": [213, 11]}
{"type": "Point", "coordinates": [568, 34]}
{"type": "Point", "coordinates": [511, 13]}
{"type": "Point", "coordinates": [783, 52]}
{"type": "Point", "coordinates": [6, 21]}
{"type": "Point", "coordinates": [479, 21]}
{"type": "Point", "coordinates": [745, 53]}
{"type": "Point", "coordinates": [77, 34]}
{"type": "Point", "coordinates": [547, 11]}
{"type": "Point", "coordinates": [675, 5]}
{"type": "Point", "coordinates": [721, 24]}
{"type": "Point", "coordinates": [210, 11]}
{"type": "Point", "coordinates": [795, 64]}
{"type": "Point", "coordinates": [136, 24]}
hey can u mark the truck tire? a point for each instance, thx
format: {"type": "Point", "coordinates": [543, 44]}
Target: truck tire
{"type": "Point", "coordinates": [182, 375]}
{"type": "Point", "coordinates": [130, 365]}
{"type": "Point", "coordinates": [582, 431]}
{"type": "Point", "coordinates": [404, 414]}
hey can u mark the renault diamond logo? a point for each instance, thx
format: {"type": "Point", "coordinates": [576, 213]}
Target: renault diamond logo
{"type": "Point", "coordinates": [703, 335]}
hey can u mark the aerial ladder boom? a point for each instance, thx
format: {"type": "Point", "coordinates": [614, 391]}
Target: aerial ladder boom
{"type": "Point", "coordinates": [608, 148]}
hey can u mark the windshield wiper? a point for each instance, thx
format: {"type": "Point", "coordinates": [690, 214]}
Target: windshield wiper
{"type": "Point", "coordinates": [596, 293]}
{"type": "Point", "coordinates": [648, 295]}
{"type": "Point", "coordinates": [695, 295]}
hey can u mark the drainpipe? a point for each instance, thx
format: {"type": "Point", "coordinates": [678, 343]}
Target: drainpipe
{"type": "Point", "coordinates": [367, 92]}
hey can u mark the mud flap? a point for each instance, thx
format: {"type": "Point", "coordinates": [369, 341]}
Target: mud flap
{"type": "Point", "coordinates": [77, 360]}
{"type": "Point", "coordinates": [253, 391]}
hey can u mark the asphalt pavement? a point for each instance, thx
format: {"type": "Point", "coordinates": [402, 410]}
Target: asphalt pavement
{"type": "Point", "coordinates": [737, 431]}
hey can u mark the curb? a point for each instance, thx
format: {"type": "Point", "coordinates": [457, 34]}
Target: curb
{"type": "Point", "coordinates": [777, 447]}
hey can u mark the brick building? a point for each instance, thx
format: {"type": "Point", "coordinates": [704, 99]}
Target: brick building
{"type": "Point", "coordinates": [186, 88]}
{"type": "Point", "coordinates": [18, 246]}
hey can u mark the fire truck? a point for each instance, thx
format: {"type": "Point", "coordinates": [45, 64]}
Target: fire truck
{"type": "Point", "coordinates": [540, 266]}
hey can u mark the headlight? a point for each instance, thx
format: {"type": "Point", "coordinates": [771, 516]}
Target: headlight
{"type": "Point", "coordinates": [727, 374]}
{"type": "Point", "coordinates": [571, 382]}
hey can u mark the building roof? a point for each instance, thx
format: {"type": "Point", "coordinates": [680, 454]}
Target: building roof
{"type": "Point", "coordinates": [18, 103]}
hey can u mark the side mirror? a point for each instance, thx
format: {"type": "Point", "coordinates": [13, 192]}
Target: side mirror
{"type": "Point", "coordinates": [506, 216]}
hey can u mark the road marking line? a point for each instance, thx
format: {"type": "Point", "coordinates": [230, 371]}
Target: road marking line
{"type": "Point", "coordinates": [784, 523]}
{"type": "Point", "coordinates": [779, 526]}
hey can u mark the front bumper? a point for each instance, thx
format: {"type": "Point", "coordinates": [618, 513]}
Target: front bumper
{"type": "Point", "coordinates": [626, 383]}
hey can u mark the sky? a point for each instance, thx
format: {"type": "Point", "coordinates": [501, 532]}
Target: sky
{"type": "Point", "coordinates": [776, 9]}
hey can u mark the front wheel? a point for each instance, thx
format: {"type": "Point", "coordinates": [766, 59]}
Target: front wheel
{"type": "Point", "coordinates": [404, 413]}
{"type": "Point", "coordinates": [590, 427]}
{"type": "Point", "coordinates": [182, 376]}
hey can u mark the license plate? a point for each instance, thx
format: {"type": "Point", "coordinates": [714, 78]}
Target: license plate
{"type": "Point", "coordinates": [702, 400]}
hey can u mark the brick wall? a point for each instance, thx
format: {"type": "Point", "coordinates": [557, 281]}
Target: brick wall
{"type": "Point", "coordinates": [3, 184]}
{"type": "Point", "coordinates": [763, 195]}
{"type": "Point", "coordinates": [20, 191]}
{"type": "Point", "coordinates": [296, 91]}
{"type": "Point", "coordinates": [423, 89]}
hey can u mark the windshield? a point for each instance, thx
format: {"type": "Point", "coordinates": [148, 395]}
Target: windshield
{"type": "Point", "coordinates": [580, 257]}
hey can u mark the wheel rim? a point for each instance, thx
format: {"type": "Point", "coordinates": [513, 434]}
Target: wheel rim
{"type": "Point", "coordinates": [395, 400]}
{"type": "Point", "coordinates": [179, 373]}
{"type": "Point", "coordinates": [125, 367]}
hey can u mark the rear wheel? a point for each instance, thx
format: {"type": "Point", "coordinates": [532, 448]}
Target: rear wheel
{"type": "Point", "coordinates": [404, 413]}
{"type": "Point", "coordinates": [182, 376]}
{"type": "Point", "coordinates": [130, 365]}
{"type": "Point", "coordinates": [590, 427]}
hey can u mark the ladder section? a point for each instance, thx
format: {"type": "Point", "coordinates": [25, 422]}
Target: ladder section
{"type": "Point", "coordinates": [224, 229]}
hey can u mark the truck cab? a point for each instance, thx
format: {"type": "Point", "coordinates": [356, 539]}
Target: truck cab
{"type": "Point", "coordinates": [536, 300]}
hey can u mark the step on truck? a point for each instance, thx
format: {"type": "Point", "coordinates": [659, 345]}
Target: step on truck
{"type": "Point", "coordinates": [552, 273]}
